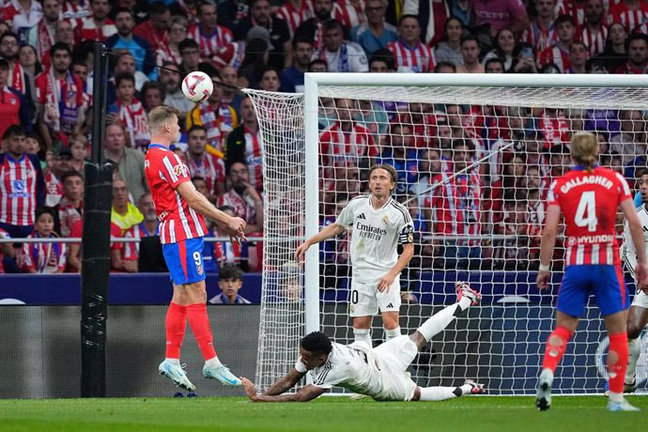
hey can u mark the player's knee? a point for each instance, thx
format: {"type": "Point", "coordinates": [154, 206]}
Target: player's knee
{"type": "Point", "coordinates": [634, 331]}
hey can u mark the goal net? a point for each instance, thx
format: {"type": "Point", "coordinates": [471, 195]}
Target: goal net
{"type": "Point", "coordinates": [475, 156]}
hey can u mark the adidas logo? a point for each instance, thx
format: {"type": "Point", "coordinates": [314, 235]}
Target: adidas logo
{"type": "Point", "coordinates": [362, 216]}
{"type": "Point", "coordinates": [389, 306]}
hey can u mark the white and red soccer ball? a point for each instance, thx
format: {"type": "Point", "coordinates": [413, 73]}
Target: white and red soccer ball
{"type": "Point", "coordinates": [197, 86]}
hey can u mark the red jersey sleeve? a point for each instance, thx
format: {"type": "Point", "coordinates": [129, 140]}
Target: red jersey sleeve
{"type": "Point", "coordinates": [175, 172]}
{"type": "Point", "coordinates": [623, 188]}
{"type": "Point", "coordinates": [41, 88]}
{"type": "Point", "coordinates": [115, 231]}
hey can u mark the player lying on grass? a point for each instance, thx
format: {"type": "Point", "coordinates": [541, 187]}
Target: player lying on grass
{"type": "Point", "coordinates": [377, 372]}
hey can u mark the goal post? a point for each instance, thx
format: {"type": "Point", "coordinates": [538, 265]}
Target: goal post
{"type": "Point", "coordinates": [488, 236]}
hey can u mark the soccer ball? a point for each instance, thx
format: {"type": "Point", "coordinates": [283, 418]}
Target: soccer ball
{"type": "Point", "coordinates": [197, 86]}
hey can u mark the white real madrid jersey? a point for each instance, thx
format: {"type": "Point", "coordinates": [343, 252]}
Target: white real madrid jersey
{"type": "Point", "coordinates": [628, 250]}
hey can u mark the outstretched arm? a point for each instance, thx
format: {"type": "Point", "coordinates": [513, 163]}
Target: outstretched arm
{"type": "Point", "coordinates": [305, 394]}
{"type": "Point", "coordinates": [326, 233]}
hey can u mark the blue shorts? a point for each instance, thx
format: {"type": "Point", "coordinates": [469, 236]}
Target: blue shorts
{"type": "Point", "coordinates": [184, 260]}
{"type": "Point", "coordinates": [604, 281]}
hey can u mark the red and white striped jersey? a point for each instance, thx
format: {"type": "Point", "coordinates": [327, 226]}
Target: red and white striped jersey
{"type": "Point", "coordinates": [211, 45]}
{"type": "Point", "coordinates": [538, 37]}
{"type": "Point", "coordinates": [243, 205]}
{"type": "Point", "coordinates": [68, 213]}
{"type": "Point", "coordinates": [21, 189]}
{"type": "Point", "coordinates": [164, 173]}
{"type": "Point", "coordinates": [293, 16]}
{"type": "Point", "coordinates": [349, 14]}
{"type": "Point", "coordinates": [42, 257]}
{"type": "Point", "coordinates": [87, 29]}
{"type": "Point", "coordinates": [76, 12]}
{"type": "Point", "coordinates": [420, 58]}
{"type": "Point", "coordinates": [210, 167]}
{"type": "Point", "coordinates": [339, 148]}
{"type": "Point", "coordinates": [456, 204]}
{"type": "Point", "coordinates": [629, 18]}
{"type": "Point", "coordinates": [589, 201]}
{"type": "Point", "coordinates": [558, 56]}
{"type": "Point", "coordinates": [569, 7]}
{"type": "Point", "coordinates": [254, 156]}
{"type": "Point", "coordinates": [53, 189]}
{"type": "Point", "coordinates": [594, 41]}
{"type": "Point", "coordinates": [554, 129]}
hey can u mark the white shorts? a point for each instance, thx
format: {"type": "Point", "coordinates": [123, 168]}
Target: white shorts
{"type": "Point", "coordinates": [640, 299]}
{"type": "Point", "coordinates": [366, 300]}
{"type": "Point", "coordinates": [393, 358]}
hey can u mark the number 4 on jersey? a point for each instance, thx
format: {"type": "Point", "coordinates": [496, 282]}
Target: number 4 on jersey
{"type": "Point", "coordinates": [587, 205]}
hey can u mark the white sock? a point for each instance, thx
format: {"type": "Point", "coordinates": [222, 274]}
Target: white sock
{"type": "Point", "coordinates": [439, 321]}
{"type": "Point", "coordinates": [615, 397]}
{"type": "Point", "coordinates": [362, 335]}
{"type": "Point", "coordinates": [174, 362]}
{"type": "Point", "coordinates": [213, 362]}
{"type": "Point", "coordinates": [391, 334]}
{"type": "Point", "coordinates": [634, 346]}
{"type": "Point", "coordinates": [442, 393]}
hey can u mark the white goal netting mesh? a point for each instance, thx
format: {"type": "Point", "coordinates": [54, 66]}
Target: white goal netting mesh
{"type": "Point", "coordinates": [474, 165]}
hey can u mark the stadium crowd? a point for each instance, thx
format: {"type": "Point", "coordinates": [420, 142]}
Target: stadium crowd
{"type": "Point", "coordinates": [45, 116]}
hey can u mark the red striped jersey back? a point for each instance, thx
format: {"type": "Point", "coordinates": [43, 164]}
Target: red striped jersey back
{"type": "Point", "coordinates": [589, 201]}
{"type": "Point", "coordinates": [18, 190]}
{"type": "Point", "coordinates": [164, 173]}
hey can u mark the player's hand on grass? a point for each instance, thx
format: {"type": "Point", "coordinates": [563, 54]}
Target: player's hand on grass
{"type": "Point", "coordinates": [385, 282]}
{"type": "Point", "coordinates": [543, 280]}
{"type": "Point", "coordinates": [250, 388]}
{"type": "Point", "coordinates": [301, 251]}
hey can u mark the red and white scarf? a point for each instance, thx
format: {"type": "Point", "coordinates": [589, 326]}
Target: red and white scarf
{"type": "Point", "coordinates": [134, 117]}
{"type": "Point", "coordinates": [215, 121]}
{"type": "Point", "coordinates": [45, 39]}
{"type": "Point", "coordinates": [62, 107]}
{"type": "Point", "coordinates": [16, 77]}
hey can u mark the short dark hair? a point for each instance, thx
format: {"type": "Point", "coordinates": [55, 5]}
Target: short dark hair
{"type": "Point", "coordinates": [229, 272]}
{"type": "Point", "coordinates": [148, 85]}
{"type": "Point", "coordinates": [73, 173]}
{"type": "Point", "coordinates": [635, 36]}
{"type": "Point", "coordinates": [158, 8]}
{"type": "Point", "coordinates": [8, 34]}
{"type": "Point", "coordinates": [383, 55]}
{"type": "Point", "coordinates": [124, 76]}
{"type": "Point", "coordinates": [44, 210]}
{"type": "Point", "coordinates": [60, 46]}
{"type": "Point", "coordinates": [125, 10]}
{"type": "Point", "coordinates": [445, 64]}
{"type": "Point", "coordinates": [198, 178]}
{"type": "Point", "coordinates": [317, 343]}
{"type": "Point", "coordinates": [188, 43]}
{"type": "Point", "coordinates": [317, 61]}
{"type": "Point", "coordinates": [332, 24]}
{"type": "Point", "coordinates": [640, 171]}
{"type": "Point", "coordinates": [565, 18]}
{"type": "Point", "coordinates": [13, 130]}
{"type": "Point", "coordinates": [195, 128]}
{"type": "Point", "coordinates": [468, 38]}
{"type": "Point", "coordinates": [301, 39]}
{"type": "Point", "coordinates": [406, 16]}
{"type": "Point", "coordinates": [495, 60]}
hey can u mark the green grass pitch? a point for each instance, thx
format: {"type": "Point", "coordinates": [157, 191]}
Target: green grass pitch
{"type": "Point", "coordinates": [325, 414]}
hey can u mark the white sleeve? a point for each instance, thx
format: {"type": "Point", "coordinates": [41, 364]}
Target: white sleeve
{"type": "Point", "coordinates": [301, 367]}
{"type": "Point", "coordinates": [345, 218]}
{"type": "Point", "coordinates": [328, 377]}
{"type": "Point", "coordinates": [406, 230]}
{"type": "Point", "coordinates": [628, 251]}
{"type": "Point", "coordinates": [359, 62]}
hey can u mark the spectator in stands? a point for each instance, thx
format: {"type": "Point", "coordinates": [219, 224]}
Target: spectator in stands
{"type": "Point", "coordinates": [470, 53]}
{"type": "Point", "coordinates": [130, 162]}
{"type": "Point", "coordinates": [59, 96]}
{"type": "Point", "coordinates": [292, 78]}
{"type": "Point", "coordinates": [97, 27]}
{"type": "Point", "coordinates": [43, 257]}
{"type": "Point", "coordinates": [499, 14]}
{"type": "Point", "coordinates": [7, 255]}
{"type": "Point", "coordinates": [614, 56]}
{"type": "Point", "coordinates": [170, 78]}
{"type": "Point", "coordinates": [578, 57]}
{"type": "Point", "coordinates": [349, 13]}
{"type": "Point", "coordinates": [149, 249]}
{"type": "Point", "coordinates": [125, 216]}
{"type": "Point", "coordinates": [631, 141]}
{"type": "Point", "coordinates": [230, 94]}
{"type": "Point", "coordinates": [23, 188]}
{"type": "Point", "coordinates": [244, 144]}
{"type": "Point", "coordinates": [14, 109]}
{"type": "Point", "coordinates": [410, 54]}
{"type": "Point", "coordinates": [449, 49]}
{"type": "Point", "coordinates": [312, 28]}
{"type": "Point", "coordinates": [376, 33]}
{"type": "Point", "coordinates": [276, 29]}
{"type": "Point", "coordinates": [382, 61]}
{"type": "Point", "coordinates": [593, 33]}
{"type": "Point", "coordinates": [341, 55]}
{"type": "Point", "coordinates": [317, 66]}
{"type": "Point", "coordinates": [211, 37]}
{"type": "Point", "coordinates": [64, 33]}
{"type": "Point", "coordinates": [254, 63]}
{"type": "Point", "coordinates": [139, 47]}
{"type": "Point", "coordinates": [295, 12]}
{"type": "Point", "coordinates": [227, 252]}
{"type": "Point", "coordinates": [18, 79]}
{"type": "Point", "coordinates": [494, 65]}
{"type": "Point", "coordinates": [230, 282]}
{"type": "Point", "coordinates": [41, 36]}
{"type": "Point", "coordinates": [168, 49]}
{"type": "Point", "coordinates": [125, 64]}
{"type": "Point", "coordinates": [53, 177]}
{"type": "Point", "coordinates": [32, 67]}
{"type": "Point", "coordinates": [131, 111]}
{"type": "Point", "coordinates": [429, 167]}
{"type": "Point", "coordinates": [231, 12]}
{"type": "Point", "coordinates": [506, 48]}
{"type": "Point", "coordinates": [525, 61]}
{"type": "Point", "coordinates": [243, 198]}
{"type": "Point", "coordinates": [156, 29]}
{"type": "Point", "coordinates": [218, 118]}
{"type": "Point", "coordinates": [201, 164]}
{"type": "Point", "coordinates": [455, 208]}
{"type": "Point", "coordinates": [637, 55]}
{"type": "Point", "coordinates": [541, 33]}
{"type": "Point", "coordinates": [69, 209]}
{"type": "Point", "coordinates": [152, 95]}
{"type": "Point", "coordinates": [270, 80]}
{"type": "Point", "coordinates": [401, 153]}
{"type": "Point", "coordinates": [432, 15]}
{"type": "Point", "coordinates": [512, 252]}
{"type": "Point", "coordinates": [559, 52]}
{"type": "Point", "coordinates": [190, 53]}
